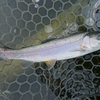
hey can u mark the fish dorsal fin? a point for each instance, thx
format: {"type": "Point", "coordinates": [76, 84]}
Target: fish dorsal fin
{"type": "Point", "coordinates": [50, 63]}
{"type": "Point", "coordinates": [48, 40]}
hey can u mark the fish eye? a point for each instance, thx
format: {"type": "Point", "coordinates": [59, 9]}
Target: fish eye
{"type": "Point", "coordinates": [98, 36]}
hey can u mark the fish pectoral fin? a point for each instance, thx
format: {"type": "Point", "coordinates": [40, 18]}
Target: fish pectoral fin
{"type": "Point", "coordinates": [50, 63]}
{"type": "Point", "coordinates": [85, 43]}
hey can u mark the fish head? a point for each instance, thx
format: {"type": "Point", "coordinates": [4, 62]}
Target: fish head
{"type": "Point", "coordinates": [94, 39]}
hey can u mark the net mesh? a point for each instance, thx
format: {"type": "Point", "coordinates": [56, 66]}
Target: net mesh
{"type": "Point", "coordinates": [26, 23]}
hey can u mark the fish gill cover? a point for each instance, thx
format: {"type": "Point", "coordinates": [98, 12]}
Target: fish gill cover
{"type": "Point", "coordinates": [26, 23]}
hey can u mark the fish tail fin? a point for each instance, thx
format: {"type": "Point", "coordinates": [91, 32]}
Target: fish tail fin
{"type": "Point", "coordinates": [2, 54]}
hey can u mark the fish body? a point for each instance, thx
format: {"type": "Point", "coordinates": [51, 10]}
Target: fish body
{"type": "Point", "coordinates": [59, 49]}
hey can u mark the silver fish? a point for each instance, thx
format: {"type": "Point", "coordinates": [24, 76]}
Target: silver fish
{"type": "Point", "coordinates": [59, 49]}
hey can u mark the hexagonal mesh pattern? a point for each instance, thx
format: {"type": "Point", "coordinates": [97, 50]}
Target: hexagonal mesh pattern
{"type": "Point", "coordinates": [26, 23]}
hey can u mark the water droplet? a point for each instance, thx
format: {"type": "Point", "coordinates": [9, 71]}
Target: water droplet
{"type": "Point", "coordinates": [73, 27]}
{"type": "Point", "coordinates": [36, 5]}
{"type": "Point", "coordinates": [37, 1]}
{"type": "Point", "coordinates": [15, 30]}
{"type": "Point", "coordinates": [89, 22]}
{"type": "Point", "coordinates": [48, 29]}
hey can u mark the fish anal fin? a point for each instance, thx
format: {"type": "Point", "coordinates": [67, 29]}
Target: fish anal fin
{"type": "Point", "coordinates": [25, 64]}
{"type": "Point", "coordinates": [50, 63]}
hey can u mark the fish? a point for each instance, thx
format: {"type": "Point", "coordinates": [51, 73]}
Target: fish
{"type": "Point", "coordinates": [72, 46]}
